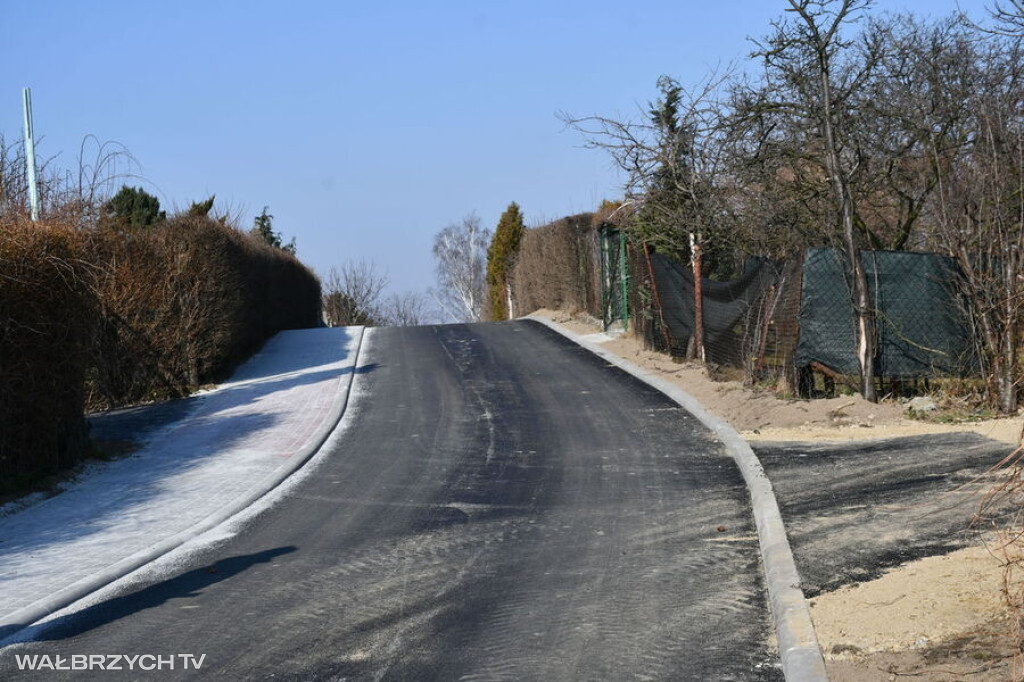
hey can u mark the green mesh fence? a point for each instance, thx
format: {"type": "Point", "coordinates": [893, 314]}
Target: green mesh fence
{"type": "Point", "coordinates": [780, 317]}
{"type": "Point", "coordinates": [921, 329]}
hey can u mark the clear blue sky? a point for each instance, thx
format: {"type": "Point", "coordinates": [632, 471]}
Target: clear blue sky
{"type": "Point", "coordinates": [365, 127]}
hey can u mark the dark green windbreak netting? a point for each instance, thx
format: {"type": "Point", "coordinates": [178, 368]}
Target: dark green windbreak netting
{"type": "Point", "coordinates": [726, 307]}
{"type": "Point", "coordinates": [922, 331]}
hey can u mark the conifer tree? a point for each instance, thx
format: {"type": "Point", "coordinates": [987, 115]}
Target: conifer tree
{"type": "Point", "coordinates": [134, 208]}
{"type": "Point", "coordinates": [501, 257]}
{"type": "Point", "coordinates": [201, 208]}
{"type": "Point", "coordinates": [263, 229]}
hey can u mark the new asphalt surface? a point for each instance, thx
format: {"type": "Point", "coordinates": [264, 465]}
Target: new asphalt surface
{"type": "Point", "coordinates": [501, 505]}
{"type": "Point", "coordinates": [853, 510]}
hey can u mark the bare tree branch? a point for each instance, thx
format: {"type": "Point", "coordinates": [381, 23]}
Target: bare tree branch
{"type": "Point", "coordinates": [352, 295]}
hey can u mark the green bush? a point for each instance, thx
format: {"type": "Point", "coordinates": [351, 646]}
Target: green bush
{"type": "Point", "coordinates": [501, 257]}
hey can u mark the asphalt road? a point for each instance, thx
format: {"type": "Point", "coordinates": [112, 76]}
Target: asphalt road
{"type": "Point", "coordinates": [853, 510]}
{"type": "Point", "coordinates": [501, 506]}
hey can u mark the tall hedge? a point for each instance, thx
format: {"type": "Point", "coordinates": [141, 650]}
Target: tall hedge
{"type": "Point", "coordinates": [558, 267]}
{"type": "Point", "coordinates": [185, 301]}
{"type": "Point", "coordinates": [47, 324]}
{"type": "Point", "coordinates": [114, 316]}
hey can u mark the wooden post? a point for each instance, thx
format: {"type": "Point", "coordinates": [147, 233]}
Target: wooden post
{"type": "Point", "coordinates": [697, 259]}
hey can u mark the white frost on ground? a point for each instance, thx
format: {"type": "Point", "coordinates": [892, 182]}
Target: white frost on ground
{"type": "Point", "coordinates": [182, 557]}
{"type": "Point", "coordinates": [238, 435]}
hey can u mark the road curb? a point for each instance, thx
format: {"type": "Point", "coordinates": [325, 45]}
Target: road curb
{"type": "Point", "coordinates": [798, 645]}
{"type": "Point", "coordinates": [12, 623]}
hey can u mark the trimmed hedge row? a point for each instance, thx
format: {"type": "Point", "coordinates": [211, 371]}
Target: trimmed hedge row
{"type": "Point", "coordinates": [184, 302]}
{"type": "Point", "coordinates": [47, 322]}
{"type": "Point", "coordinates": [106, 317]}
{"type": "Point", "coordinates": [558, 267]}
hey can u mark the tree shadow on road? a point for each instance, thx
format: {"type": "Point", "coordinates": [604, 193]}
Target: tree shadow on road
{"type": "Point", "coordinates": [187, 585]}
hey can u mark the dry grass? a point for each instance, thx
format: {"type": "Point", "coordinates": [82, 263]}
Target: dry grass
{"type": "Point", "coordinates": [1009, 547]}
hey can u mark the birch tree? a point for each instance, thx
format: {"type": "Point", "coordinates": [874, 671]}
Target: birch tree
{"type": "Point", "coordinates": [460, 255]}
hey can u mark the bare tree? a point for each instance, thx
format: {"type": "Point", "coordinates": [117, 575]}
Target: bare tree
{"type": "Point", "coordinates": [912, 114]}
{"type": "Point", "coordinates": [406, 309]}
{"type": "Point", "coordinates": [460, 254]}
{"type": "Point", "coordinates": [1009, 18]}
{"type": "Point", "coordinates": [980, 213]}
{"type": "Point", "coordinates": [352, 295]}
{"type": "Point", "coordinates": [808, 81]}
{"type": "Point", "coordinates": [673, 160]}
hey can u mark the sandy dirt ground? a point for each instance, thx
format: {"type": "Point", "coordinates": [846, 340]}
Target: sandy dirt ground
{"type": "Point", "coordinates": [940, 618]}
{"type": "Point", "coordinates": [936, 619]}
